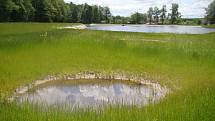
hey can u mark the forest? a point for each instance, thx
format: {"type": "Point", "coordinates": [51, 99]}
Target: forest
{"type": "Point", "coordinates": [51, 11]}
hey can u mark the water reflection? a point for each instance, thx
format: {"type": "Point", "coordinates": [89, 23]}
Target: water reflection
{"type": "Point", "coordinates": [92, 94]}
{"type": "Point", "coordinates": [154, 28]}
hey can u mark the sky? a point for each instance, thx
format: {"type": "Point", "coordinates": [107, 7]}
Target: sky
{"type": "Point", "coordinates": [188, 8]}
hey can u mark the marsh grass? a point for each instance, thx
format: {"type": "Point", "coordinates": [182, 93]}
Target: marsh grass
{"type": "Point", "coordinates": [184, 63]}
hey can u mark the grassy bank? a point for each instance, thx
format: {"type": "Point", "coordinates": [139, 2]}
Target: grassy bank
{"type": "Point", "coordinates": [209, 26]}
{"type": "Point", "coordinates": [184, 63]}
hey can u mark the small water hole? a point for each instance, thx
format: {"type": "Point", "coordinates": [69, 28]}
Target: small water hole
{"type": "Point", "coordinates": [91, 93]}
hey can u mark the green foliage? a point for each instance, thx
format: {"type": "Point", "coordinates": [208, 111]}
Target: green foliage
{"type": "Point", "coordinates": [7, 7]}
{"type": "Point", "coordinates": [43, 10]}
{"type": "Point", "coordinates": [191, 21]}
{"type": "Point", "coordinates": [163, 14]}
{"type": "Point", "coordinates": [51, 11]}
{"type": "Point", "coordinates": [211, 13]}
{"type": "Point", "coordinates": [96, 17]}
{"type": "Point", "coordinates": [150, 15]}
{"type": "Point", "coordinates": [59, 11]}
{"type": "Point", "coordinates": [86, 16]}
{"type": "Point", "coordinates": [29, 10]}
{"type": "Point", "coordinates": [138, 18]}
{"type": "Point", "coordinates": [120, 20]}
{"type": "Point", "coordinates": [73, 13]}
{"type": "Point", "coordinates": [175, 15]}
{"type": "Point", "coordinates": [156, 14]}
{"type": "Point", "coordinates": [107, 14]}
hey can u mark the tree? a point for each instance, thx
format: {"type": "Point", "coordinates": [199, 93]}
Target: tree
{"type": "Point", "coordinates": [87, 13]}
{"type": "Point", "coordinates": [138, 18]}
{"type": "Point", "coordinates": [144, 18]}
{"type": "Point", "coordinates": [24, 11]}
{"type": "Point", "coordinates": [101, 15]}
{"type": "Point", "coordinates": [107, 14]}
{"type": "Point", "coordinates": [163, 14]}
{"type": "Point", "coordinates": [29, 10]}
{"type": "Point", "coordinates": [80, 9]}
{"type": "Point", "coordinates": [175, 15]}
{"type": "Point", "coordinates": [156, 14]}
{"type": "Point", "coordinates": [43, 11]}
{"type": "Point", "coordinates": [95, 18]}
{"type": "Point", "coordinates": [52, 11]}
{"type": "Point", "coordinates": [150, 15]}
{"type": "Point", "coordinates": [211, 13]}
{"type": "Point", "coordinates": [6, 9]}
{"type": "Point", "coordinates": [73, 13]}
{"type": "Point", "coordinates": [19, 13]}
{"type": "Point", "coordinates": [56, 11]}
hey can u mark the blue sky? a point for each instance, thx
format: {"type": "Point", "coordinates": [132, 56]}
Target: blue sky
{"type": "Point", "coordinates": [188, 8]}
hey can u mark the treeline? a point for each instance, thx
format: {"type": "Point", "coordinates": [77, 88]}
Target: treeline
{"type": "Point", "coordinates": [59, 11]}
{"type": "Point", "coordinates": [161, 16]}
{"type": "Point", "coordinates": [52, 11]}
{"type": "Point", "coordinates": [157, 16]}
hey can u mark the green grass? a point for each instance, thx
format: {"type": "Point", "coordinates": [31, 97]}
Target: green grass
{"type": "Point", "coordinates": [184, 63]}
{"type": "Point", "coordinates": [209, 26]}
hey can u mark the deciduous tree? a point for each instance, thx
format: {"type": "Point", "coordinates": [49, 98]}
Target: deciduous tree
{"type": "Point", "coordinates": [156, 14]}
{"type": "Point", "coordinates": [150, 15]}
{"type": "Point", "coordinates": [163, 14]}
{"type": "Point", "coordinates": [175, 15]}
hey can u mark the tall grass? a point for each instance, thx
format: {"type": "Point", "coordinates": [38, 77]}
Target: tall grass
{"type": "Point", "coordinates": [185, 63]}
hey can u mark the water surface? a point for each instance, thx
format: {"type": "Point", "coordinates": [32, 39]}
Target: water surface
{"type": "Point", "coordinates": [179, 29]}
{"type": "Point", "coordinates": [93, 93]}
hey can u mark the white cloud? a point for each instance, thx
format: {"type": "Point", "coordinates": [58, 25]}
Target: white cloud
{"type": "Point", "coordinates": [188, 8]}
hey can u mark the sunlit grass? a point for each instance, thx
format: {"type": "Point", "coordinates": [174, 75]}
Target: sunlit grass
{"type": "Point", "coordinates": [184, 63]}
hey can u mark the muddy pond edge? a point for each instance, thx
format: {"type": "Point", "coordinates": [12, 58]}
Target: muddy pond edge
{"type": "Point", "coordinates": [87, 75]}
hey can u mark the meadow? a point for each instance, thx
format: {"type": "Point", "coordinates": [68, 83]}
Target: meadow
{"type": "Point", "coordinates": [184, 63]}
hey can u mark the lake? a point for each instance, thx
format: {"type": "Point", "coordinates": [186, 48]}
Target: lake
{"type": "Point", "coordinates": [179, 29]}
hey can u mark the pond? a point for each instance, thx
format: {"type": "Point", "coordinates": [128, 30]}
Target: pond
{"type": "Point", "coordinates": [179, 29]}
{"type": "Point", "coordinates": [92, 93]}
